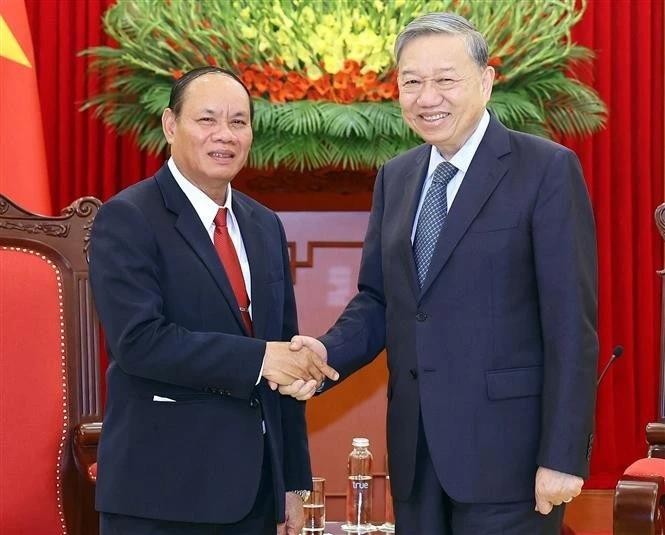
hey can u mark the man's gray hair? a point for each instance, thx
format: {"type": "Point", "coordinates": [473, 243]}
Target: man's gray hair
{"type": "Point", "coordinates": [445, 23]}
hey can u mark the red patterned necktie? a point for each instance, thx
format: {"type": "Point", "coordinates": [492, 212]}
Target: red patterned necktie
{"type": "Point", "coordinates": [229, 257]}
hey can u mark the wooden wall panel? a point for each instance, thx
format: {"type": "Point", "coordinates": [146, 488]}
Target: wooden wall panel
{"type": "Point", "coordinates": [325, 251]}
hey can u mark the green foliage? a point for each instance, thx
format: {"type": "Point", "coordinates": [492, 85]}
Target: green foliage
{"type": "Point", "coordinates": [530, 47]}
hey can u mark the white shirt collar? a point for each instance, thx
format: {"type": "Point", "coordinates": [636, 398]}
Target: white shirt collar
{"type": "Point", "coordinates": [205, 207]}
{"type": "Point", "coordinates": [462, 158]}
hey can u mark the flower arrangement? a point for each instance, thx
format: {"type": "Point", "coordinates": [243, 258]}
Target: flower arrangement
{"type": "Point", "coordinates": [322, 75]}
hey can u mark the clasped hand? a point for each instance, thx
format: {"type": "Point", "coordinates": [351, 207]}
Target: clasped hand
{"type": "Point", "coordinates": [297, 369]}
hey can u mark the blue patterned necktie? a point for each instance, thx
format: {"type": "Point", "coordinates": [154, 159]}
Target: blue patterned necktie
{"type": "Point", "coordinates": [432, 218]}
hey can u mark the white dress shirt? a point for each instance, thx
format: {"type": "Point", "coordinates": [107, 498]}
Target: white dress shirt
{"type": "Point", "coordinates": [461, 160]}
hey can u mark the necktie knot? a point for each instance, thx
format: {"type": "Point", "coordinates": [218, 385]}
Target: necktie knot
{"type": "Point", "coordinates": [444, 173]}
{"type": "Point", "coordinates": [220, 218]}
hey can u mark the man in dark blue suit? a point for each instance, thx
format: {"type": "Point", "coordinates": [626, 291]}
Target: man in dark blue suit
{"type": "Point", "coordinates": [478, 276]}
{"type": "Point", "coordinates": [190, 278]}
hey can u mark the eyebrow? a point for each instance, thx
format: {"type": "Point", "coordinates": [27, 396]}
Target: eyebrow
{"type": "Point", "coordinates": [210, 111]}
{"type": "Point", "coordinates": [443, 69]}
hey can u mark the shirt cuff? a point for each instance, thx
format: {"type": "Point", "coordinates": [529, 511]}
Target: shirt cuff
{"type": "Point", "coordinates": [261, 370]}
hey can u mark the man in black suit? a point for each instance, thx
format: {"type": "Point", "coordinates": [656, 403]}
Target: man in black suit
{"type": "Point", "coordinates": [478, 276]}
{"type": "Point", "coordinates": [190, 279]}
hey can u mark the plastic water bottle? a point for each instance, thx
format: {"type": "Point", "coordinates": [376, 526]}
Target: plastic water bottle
{"type": "Point", "coordinates": [359, 489]}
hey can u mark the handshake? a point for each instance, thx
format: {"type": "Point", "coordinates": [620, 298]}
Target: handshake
{"type": "Point", "coordinates": [298, 367]}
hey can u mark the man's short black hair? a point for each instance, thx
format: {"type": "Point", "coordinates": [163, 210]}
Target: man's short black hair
{"type": "Point", "coordinates": [178, 89]}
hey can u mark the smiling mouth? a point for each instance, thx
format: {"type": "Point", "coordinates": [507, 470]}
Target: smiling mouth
{"type": "Point", "coordinates": [222, 155]}
{"type": "Point", "coordinates": [432, 118]}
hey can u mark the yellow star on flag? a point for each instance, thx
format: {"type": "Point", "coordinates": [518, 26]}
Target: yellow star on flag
{"type": "Point", "coordinates": [9, 46]}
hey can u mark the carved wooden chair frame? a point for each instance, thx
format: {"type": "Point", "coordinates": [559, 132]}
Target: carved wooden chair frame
{"type": "Point", "coordinates": [63, 240]}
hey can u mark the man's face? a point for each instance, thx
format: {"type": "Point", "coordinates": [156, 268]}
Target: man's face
{"type": "Point", "coordinates": [443, 92]}
{"type": "Point", "coordinates": [211, 138]}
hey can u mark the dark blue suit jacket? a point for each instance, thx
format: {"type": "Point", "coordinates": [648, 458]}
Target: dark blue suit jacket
{"type": "Point", "coordinates": [498, 351]}
{"type": "Point", "coordinates": [174, 330]}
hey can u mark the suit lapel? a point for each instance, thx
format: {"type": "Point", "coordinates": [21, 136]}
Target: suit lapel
{"type": "Point", "coordinates": [254, 239]}
{"type": "Point", "coordinates": [413, 181]}
{"type": "Point", "coordinates": [482, 177]}
{"type": "Point", "coordinates": [188, 224]}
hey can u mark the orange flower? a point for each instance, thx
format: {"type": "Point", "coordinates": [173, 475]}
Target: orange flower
{"type": "Point", "coordinates": [373, 96]}
{"type": "Point", "coordinates": [322, 85]}
{"type": "Point", "coordinates": [313, 94]}
{"type": "Point", "coordinates": [350, 94]}
{"type": "Point", "coordinates": [300, 82]}
{"type": "Point", "coordinates": [495, 61]}
{"type": "Point", "coordinates": [294, 77]}
{"type": "Point", "coordinates": [248, 78]}
{"type": "Point", "coordinates": [277, 97]}
{"type": "Point", "coordinates": [386, 91]}
{"type": "Point", "coordinates": [341, 80]}
{"type": "Point", "coordinates": [260, 82]}
{"type": "Point", "coordinates": [351, 67]}
{"type": "Point", "coordinates": [212, 61]}
{"type": "Point", "coordinates": [368, 81]}
{"type": "Point", "coordinates": [177, 73]}
{"type": "Point", "coordinates": [274, 85]}
{"type": "Point", "coordinates": [291, 92]}
{"type": "Point", "coordinates": [273, 72]}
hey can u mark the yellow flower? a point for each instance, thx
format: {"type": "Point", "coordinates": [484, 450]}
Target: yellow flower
{"type": "Point", "coordinates": [302, 53]}
{"type": "Point", "coordinates": [248, 32]}
{"type": "Point", "coordinates": [328, 20]}
{"type": "Point", "coordinates": [361, 22]}
{"type": "Point", "coordinates": [245, 13]}
{"type": "Point", "coordinates": [378, 5]}
{"type": "Point", "coordinates": [399, 3]}
{"type": "Point", "coordinates": [263, 45]}
{"type": "Point", "coordinates": [308, 15]}
{"type": "Point", "coordinates": [313, 72]}
{"type": "Point", "coordinates": [289, 60]}
{"type": "Point", "coordinates": [333, 63]}
{"type": "Point", "coordinates": [376, 62]}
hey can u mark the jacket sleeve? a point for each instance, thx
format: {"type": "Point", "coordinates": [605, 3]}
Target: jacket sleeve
{"type": "Point", "coordinates": [125, 279]}
{"type": "Point", "coordinates": [564, 244]}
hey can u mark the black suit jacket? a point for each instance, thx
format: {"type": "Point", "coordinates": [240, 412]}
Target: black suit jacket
{"type": "Point", "coordinates": [174, 330]}
{"type": "Point", "coordinates": [498, 350]}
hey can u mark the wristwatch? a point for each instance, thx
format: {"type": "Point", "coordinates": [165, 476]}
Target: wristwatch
{"type": "Point", "coordinates": [304, 494]}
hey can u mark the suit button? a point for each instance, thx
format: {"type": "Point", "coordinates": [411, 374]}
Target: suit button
{"type": "Point", "coordinates": [421, 316]}
{"type": "Point", "coordinates": [414, 373]}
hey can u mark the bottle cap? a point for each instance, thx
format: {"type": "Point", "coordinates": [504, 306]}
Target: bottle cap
{"type": "Point", "coordinates": [360, 442]}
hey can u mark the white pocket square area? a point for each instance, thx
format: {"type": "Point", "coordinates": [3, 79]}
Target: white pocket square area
{"type": "Point", "coordinates": [162, 399]}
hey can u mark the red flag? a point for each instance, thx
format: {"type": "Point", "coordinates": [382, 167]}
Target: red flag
{"type": "Point", "coordinates": [23, 171]}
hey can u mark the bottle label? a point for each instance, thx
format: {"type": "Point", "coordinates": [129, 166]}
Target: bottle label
{"type": "Point", "coordinates": [358, 503]}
